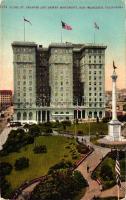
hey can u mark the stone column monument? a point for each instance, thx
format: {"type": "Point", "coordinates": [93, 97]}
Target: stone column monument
{"type": "Point", "coordinates": [114, 126]}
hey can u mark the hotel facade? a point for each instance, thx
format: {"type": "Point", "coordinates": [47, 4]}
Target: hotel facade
{"type": "Point", "coordinates": [62, 82]}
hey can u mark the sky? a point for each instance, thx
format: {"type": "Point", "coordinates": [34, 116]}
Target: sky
{"type": "Point", "coordinates": [46, 16]}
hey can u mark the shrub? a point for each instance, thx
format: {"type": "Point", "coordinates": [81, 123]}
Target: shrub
{"type": "Point", "coordinates": [5, 187]}
{"type": "Point", "coordinates": [40, 149]}
{"type": "Point", "coordinates": [80, 132]}
{"type": "Point", "coordinates": [61, 165]}
{"type": "Point", "coordinates": [5, 168]}
{"type": "Point", "coordinates": [21, 163]}
{"type": "Point", "coordinates": [83, 149]}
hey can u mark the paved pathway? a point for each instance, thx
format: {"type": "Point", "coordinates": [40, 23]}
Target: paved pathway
{"type": "Point", "coordinates": [4, 136]}
{"type": "Point", "coordinates": [92, 161]}
{"type": "Point", "coordinates": [113, 191]}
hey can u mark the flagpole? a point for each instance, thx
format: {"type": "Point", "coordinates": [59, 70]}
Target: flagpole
{"type": "Point", "coordinates": [24, 30]}
{"type": "Point", "coordinates": [94, 36]}
{"type": "Point", "coordinates": [118, 191]}
{"type": "Point", "coordinates": [61, 34]}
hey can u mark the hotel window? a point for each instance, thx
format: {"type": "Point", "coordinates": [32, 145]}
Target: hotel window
{"type": "Point", "coordinates": [89, 77]}
{"type": "Point", "coordinates": [100, 99]}
{"type": "Point", "coordinates": [89, 94]}
{"type": "Point", "coordinates": [89, 83]}
{"type": "Point", "coordinates": [89, 88]}
{"type": "Point", "coordinates": [18, 82]}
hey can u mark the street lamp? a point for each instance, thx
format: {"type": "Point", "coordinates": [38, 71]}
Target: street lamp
{"type": "Point", "coordinates": [89, 128]}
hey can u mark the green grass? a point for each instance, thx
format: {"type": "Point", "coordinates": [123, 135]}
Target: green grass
{"type": "Point", "coordinates": [40, 163]}
{"type": "Point", "coordinates": [94, 128]}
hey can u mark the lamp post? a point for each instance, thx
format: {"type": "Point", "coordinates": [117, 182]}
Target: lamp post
{"type": "Point", "coordinates": [89, 127]}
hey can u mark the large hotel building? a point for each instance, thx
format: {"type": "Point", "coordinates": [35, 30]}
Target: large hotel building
{"type": "Point", "coordinates": [63, 81]}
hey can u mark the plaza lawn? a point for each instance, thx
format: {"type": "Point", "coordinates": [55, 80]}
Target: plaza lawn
{"type": "Point", "coordinates": [100, 128]}
{"type": "Point", "coordinates": [57, 149]}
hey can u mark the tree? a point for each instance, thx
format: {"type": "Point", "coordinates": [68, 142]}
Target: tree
{"type": "Point", "coordinates": [62, 184]}
{"type": "Point", "coordinates": [21, 163]}
{"type": "Point", "coordinates": [34, 130]}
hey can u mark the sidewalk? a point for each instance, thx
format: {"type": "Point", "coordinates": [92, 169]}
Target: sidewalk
{"type": "Point", "coordinates": [92, 161]}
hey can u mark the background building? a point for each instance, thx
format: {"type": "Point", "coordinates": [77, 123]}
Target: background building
{"type": "Point", "coordinates": [63, 81]}
{"type": "Point", "coordinates": [5, 98]}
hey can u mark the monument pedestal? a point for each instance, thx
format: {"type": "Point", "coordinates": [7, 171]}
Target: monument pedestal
{"type": "Point", "coordinates": [114, 130]}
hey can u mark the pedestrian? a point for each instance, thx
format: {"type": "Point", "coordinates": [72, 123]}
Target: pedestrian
{"type": "Point", "coordinates": [94, 198]}
{"type": "Point", "coordinates": [88, 168]}
{"type": "Point", "coordinates": [101, 188]}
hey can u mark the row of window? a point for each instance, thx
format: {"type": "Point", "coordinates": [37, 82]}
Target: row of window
{"type": "Point", "coordinates": [60, 51]}
{"type": "Point", "coordinates": [94, 51]}
{"type": "Point", "coordinates": [24, 77]}
{"type": "Point", "coordinates": [95, 104]}
{"type": "Point", "coordinates": [95, 99]}
{"type": "Point", "coordinates": [25, 116]}
{"type": "Point", "coordinates": [24, 49]}
{"type": "Point", "coordinates": [95, 72]}
{"type": "Point", "coordinates": [61, 113]}
{"type": "Point", "coordinates": [98, 83]}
